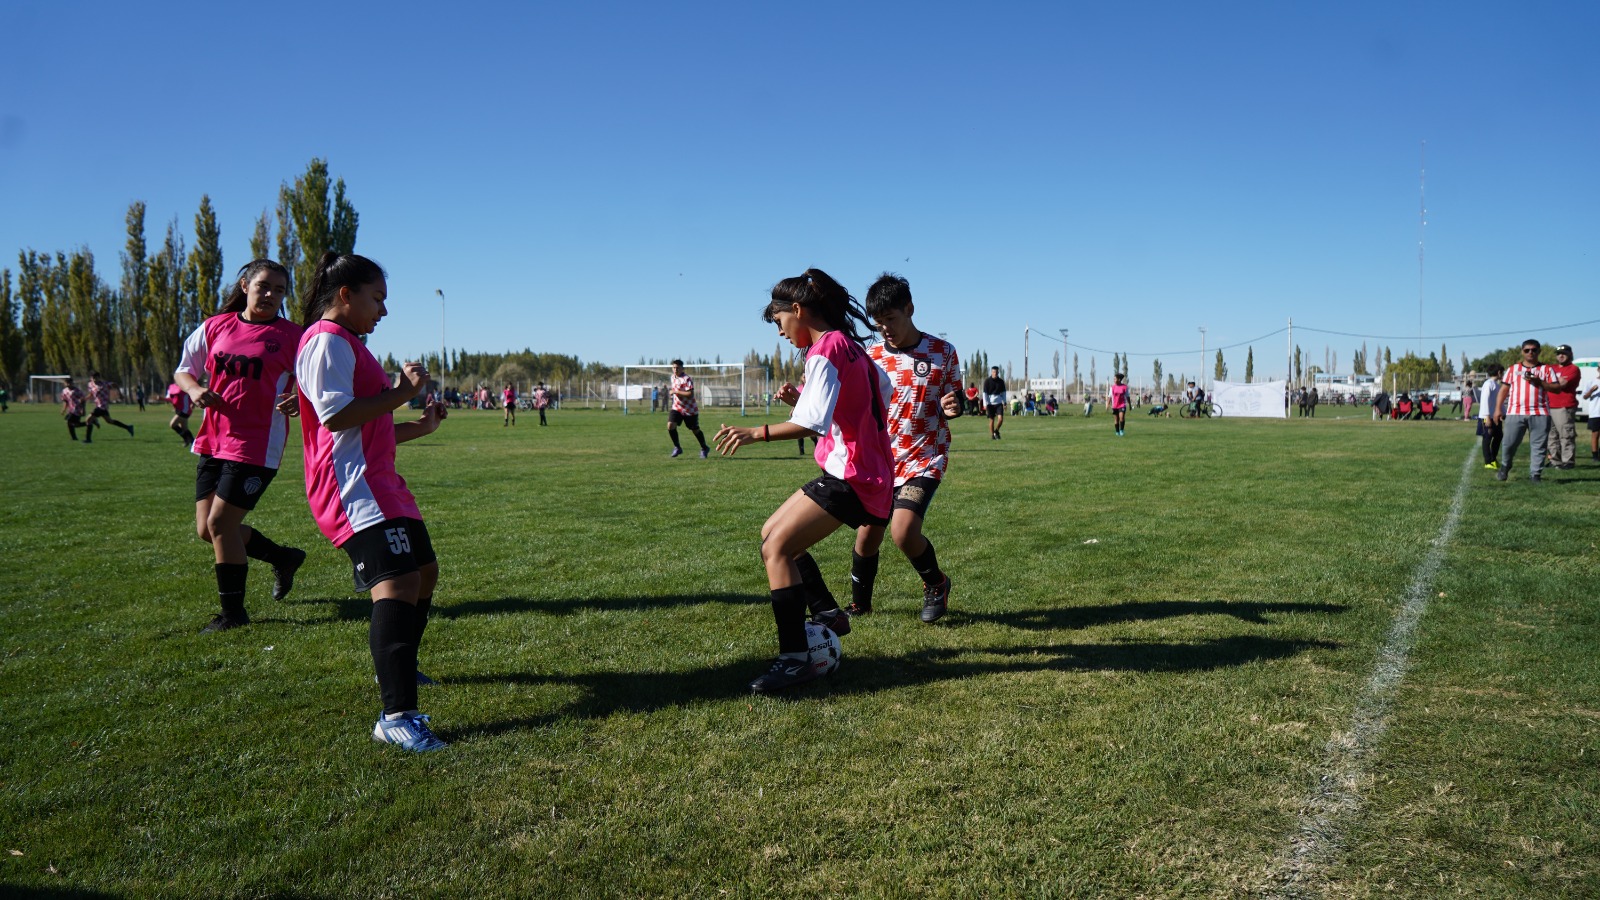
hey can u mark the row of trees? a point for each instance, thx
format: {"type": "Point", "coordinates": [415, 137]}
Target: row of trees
{"type": "Point", "coordinates": [63, 316]}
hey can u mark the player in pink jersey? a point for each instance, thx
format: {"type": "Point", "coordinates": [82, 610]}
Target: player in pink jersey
{"type": "Point", "coordinates": [1117, 402]}
{"type": "Point", "coordinates": [100, 403]}
{"type": "Point", "coordinates": [182, 407]}
{"type": "Point", "coordinates": [246, 354]}
{"type": "Point", "coordinates": [685, 410]}
{"type": "Point", "coordinates": [925, 379]}
{"type": "Point", "coordinates": [508, 399]}
{"type": "Point", "coordinates": [360, 502]}
{"type": "Point", "coordinates": [843, 405]}
{"type": "Point", "coordinates": [72, 409]}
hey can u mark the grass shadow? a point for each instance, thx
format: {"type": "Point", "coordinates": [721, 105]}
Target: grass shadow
{"type": "Point", "coordinates": [606, 693]}
{"type": "Point", "coordinates": [353, 608]}
{"type": "Point", "coordinates": [1080, 617]}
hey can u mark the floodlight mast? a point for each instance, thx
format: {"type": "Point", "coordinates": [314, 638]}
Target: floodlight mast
{"type": "Point", "coordinates": [442, 356]}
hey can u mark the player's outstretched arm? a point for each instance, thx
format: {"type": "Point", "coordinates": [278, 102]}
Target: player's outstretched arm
{"type": "Point", "coordinates": [729, 438]}
{"type": "Point", "coordinates": [432, 415]}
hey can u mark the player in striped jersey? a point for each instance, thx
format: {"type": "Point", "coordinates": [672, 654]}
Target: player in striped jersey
{"type": "Point", "coordinates": [685, 410]}
{"type": "Point", "coordinates": [100, 400]}
{"type": "Point", "coordinates": [358, 499]}
{"type": "Point", "coordinates": [72, 410]}
{"type": "Point", "coordinates": [246, 354]}
{"type": "Point", "coordinates": [925, 377]}
{"type": "Point", "coordinates": [843, 405]}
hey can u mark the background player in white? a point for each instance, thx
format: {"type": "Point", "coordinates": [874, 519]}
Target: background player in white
{"type": "Point", "coordinates": [685, 410]}
{"type": "Point", "coordinates": [925, 380]}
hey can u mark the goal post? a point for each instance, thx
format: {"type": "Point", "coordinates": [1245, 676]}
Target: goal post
{"type": "Point", "coordinates": [50, 383]}
{"type": "Point", "coordinates": [716, 385]}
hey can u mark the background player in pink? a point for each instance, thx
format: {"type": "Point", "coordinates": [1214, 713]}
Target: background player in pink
{"type": "Point", "coordinates": [100, 403]}
{"type": "Point", "coordinates": [1117, 402]}
{"type": "Point", "coordinates": [685, 409]}
{"type": "Point", "coordinates": [925, 379]}
{"type": "Point", "coordinates": [358, 499]}
{"type": "Point", "coordinates": [508, 399]}
{"type": "Point", "coordinates": [541, 401]}
{"type": "Point", "coordinates": [182, 407]}
{"type": "Point", "coordinates": [72, 410]}
{"type": "Point", "coordinates": [246, 354]}
{"type": "Point", "coordinates": [842, 405]}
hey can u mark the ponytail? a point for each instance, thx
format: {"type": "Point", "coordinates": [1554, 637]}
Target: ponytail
{"type": "Point", "coordinates": [334, 271]}
{"type": "Point", "coordinates": [817, 291]}
{"type": "Point", "coordinates": [237, 298]}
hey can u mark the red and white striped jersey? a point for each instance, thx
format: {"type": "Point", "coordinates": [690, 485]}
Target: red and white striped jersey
{"type": "Point", "coordinates": [919, 378]}
{"type": "Point", "coordinates": [73, 398]}
{"type": "Point", "coordinates": [689, 407]}
{"type": "Point", "coordinates": [99, 394]}
{"type": "Point", "coordinates": [1522, 398]}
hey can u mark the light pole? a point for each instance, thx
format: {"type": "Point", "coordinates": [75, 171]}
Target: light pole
{"type": "Point", "coordinates": [1202, 357]}
{"type": "Point", "coordinates": [1064, 364]}
{"type": "Point", "coordinates": [442, 357]}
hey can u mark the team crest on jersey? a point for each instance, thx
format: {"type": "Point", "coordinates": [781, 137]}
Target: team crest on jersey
{"type": "Point", "coordinates": [273, 345]}
{"type": "Point", "coordinates": [921, 368]}
{"type": "Point", "coordinates": [252, 486]}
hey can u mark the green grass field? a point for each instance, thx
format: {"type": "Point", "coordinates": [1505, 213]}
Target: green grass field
{"type": "Point", "coordinates": [1152, 641]}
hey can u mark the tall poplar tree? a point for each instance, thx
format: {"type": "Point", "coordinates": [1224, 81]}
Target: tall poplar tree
{"type": "Point", "coordinates": [1221, 370]}
{"type": "Point", "coordinates": [289, 250]}
{"type": "Point", "coordinates": [56, 325]}
{"type": "Point", "coordinates": [30, 297]}
{"type": "Point", "coordinates": [10, 334]}
{"type": "Point", "coordinates": [1155, 376]}
{"type": "Point", "coordinates": [320, 223]}
{"type": "Point", "coordinates": [261, 238]}
{"type": "Point", "coordinates": [166, 276]}
{"type": "Point", "coordinates": [206, 260]}
{"type": "Point", "coordinates": [1250, 365]}
{"type": "Point", "coordinates": [134, 305]}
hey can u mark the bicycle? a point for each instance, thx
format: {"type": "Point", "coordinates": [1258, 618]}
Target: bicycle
{"type": "Point", "coordinates": [1205, 409]}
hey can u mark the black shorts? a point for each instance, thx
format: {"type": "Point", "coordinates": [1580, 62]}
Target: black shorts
{"type": "Point", "coordinates": [994, 409]}
{"type": "Point", "coordinates": [73, 421]}
{"type": "Point", "coordinates": [235, 482]}
{"type": "Point", "coordinates": [100, 412]}
{"type": "Point", "coordinates": [838, 499]}
{"type": "Point", "coordinates": [916, 495]}
{"type": "Point", "coordinates": [1594, 423]}
{"type": "Point", "coordinates": [676, 417]}
{"type": "Point", "coordinates": [388, 550]}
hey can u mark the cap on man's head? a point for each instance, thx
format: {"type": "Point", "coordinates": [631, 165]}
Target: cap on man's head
{"type": "Point", "coordinates": [1565, 348]}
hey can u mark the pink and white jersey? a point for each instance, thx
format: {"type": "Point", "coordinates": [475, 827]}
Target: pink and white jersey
{"type": "Point", "coordinates": [1119, 396]}
{"type": "Point", "coordinates": [919, 378]}
{"type": "Point", "coordinates": [843, 402]}
{"type": "Point", "coordinates": [247, 364]}
{"type": "Point", "coordinates": [73, 398]}
{"type": "Point", "coordinates": [181, 403]}
{"type": "Point", "coordinates": [509, 395]}
{"type": "Point", "coordinates": [541, 398]}
{"type": "Point", "coordinates": [1522, 398]}
{"type": "Point", "coordinates": [351, 482]}
{"type": "Point", "coordinates": [688, 407]}
{"type": "Point", "coordinates": [99, 394]}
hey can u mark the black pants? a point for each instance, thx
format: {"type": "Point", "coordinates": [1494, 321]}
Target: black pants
{"type": "Point", "coordinates": [1492, 433]}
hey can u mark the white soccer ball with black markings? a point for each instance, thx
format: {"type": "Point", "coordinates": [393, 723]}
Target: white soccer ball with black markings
{"type": "Point", "coordinates": [823, 645]}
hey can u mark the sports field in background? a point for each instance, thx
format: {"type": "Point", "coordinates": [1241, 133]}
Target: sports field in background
{"type": "Point", "coordinates": [1154, 642]}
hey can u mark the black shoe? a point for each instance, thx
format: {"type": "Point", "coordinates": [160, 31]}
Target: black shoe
{"type": "Point", "coordinates": [1536, 479]}
{"type": "Point", "coordinates": [283, 575]}
{"type": "Point", "coordinates": [1502, 473]}
{"type": "Point", "coordinates": [935, 601]}
{"type": "Point", "coordinates": [785, 673]}
{"type": "Point", "coordinates": [223, 622]}
{"type": "Point", "coordinates": [835, 620]}
{"type": "Point", "coordinates": [859, 609]}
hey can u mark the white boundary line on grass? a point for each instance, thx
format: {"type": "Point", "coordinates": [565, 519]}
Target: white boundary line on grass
{"type": "Point", "coordinates": [1347, 756]}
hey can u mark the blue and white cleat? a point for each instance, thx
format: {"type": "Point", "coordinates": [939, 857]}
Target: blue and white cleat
{"type": "Point", "coordinates": [409, 732]}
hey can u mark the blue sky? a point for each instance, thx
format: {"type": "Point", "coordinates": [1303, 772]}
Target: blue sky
{"type": "Point", "coordinates": [618, 180]}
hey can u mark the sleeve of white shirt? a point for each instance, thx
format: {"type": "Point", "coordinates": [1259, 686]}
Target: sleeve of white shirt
{"type": "Point", "coordinates": [195, 351]}
{"type": "Point", "coordinates": [326, 369]}
{"type": "Point", "coordinates": [815, 407]}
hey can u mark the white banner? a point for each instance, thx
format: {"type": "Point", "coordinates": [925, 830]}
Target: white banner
{"type": "Point", "coordinates": [1263, 400]}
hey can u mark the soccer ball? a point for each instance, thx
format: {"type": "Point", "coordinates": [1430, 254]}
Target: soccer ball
{"type": "Point", "coordinates": [823, 645]}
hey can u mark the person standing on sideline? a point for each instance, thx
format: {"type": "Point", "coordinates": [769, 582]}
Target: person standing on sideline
{"type": "Point", "coordinates": [1468, 398]}
{"type": "Point", "coordinates": [508, 398]}
{"type": "Point", "coordinates": [246, 354]}
{"type": "Point", "coordinates": [1524, 409]}
{"type": "Point", "coordinates": [1488, 426]}
{"type": "Point", "coordinates": [925, 392]}
{"type": "Point", "coordinates": [994, 401]}
{"type": "Point", "coordinates": [684, 410]}
{"type": "Point", "coordinates": [1563, 394]}
{"type": "Point", "coordinates": [358, 499]}
{"type": "Point", "coordinates": [100, 397]}
{"type": "Point", "coordinates": [541, 401]}
{"type": "Point", "coordinates": [843, 404]}
{"type": "Point", "coordinates": [72, 410]}
{"type": "Point", "coordinates": [1117, 402]}
{"type": "Point", "coordinates": [138, 396]}
{"type": "Point", "coordinates": [1591, 405]}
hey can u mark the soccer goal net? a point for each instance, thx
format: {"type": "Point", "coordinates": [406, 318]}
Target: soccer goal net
{"type": "Point", "coordinates": [716, 385]}
{"type": "Point", "coordinates": [45, 388]}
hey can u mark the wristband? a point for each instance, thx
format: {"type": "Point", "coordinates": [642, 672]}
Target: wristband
{"type": "Point", "coordinates": [766, 435]}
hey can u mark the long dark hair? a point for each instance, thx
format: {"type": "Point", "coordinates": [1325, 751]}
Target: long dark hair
{"type": "Point", "coordinates": [334, 271]}
{"type": "Point", "coordinates": [818, 292]}
{"type": "Point", "coordinates": [237, 298]}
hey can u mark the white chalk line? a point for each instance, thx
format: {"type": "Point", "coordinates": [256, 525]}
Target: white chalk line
{"type": "Point", "coordinates": [1337, 797]}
